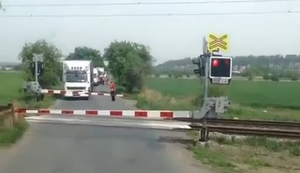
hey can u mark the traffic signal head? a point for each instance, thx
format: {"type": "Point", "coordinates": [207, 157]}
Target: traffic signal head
{"type": "Point", "coordinates": [220, 67]}
{"type": "Point", "coordinates": [199, 62]}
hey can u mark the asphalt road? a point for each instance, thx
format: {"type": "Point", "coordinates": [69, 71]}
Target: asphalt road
{"type": "Point", "coordinates": [70, 148]}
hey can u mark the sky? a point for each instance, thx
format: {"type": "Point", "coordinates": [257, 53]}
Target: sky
{"type": "Point", "coordinates": [170, 37]}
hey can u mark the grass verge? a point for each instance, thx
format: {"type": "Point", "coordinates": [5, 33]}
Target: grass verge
{"type": "Point", "coordinates": [251, 100]}
{"type": "Point", "coordinates": [151, 99]}
{"type": "Point", "coordinates": [12, 135]}
{"type": "Point", "coordinates": [11, 92]}
{"type": "Point", "coordinates": [247, 93]}
{"type": "Point", "coordinates": [154, 100]}
{"type": "Point", "coordinates": [249, 155]}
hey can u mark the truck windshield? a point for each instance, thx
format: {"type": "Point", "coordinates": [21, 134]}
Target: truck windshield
{"type": "Point", "coordinates": [76, 77]}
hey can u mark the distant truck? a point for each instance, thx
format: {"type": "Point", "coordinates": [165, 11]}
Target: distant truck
{"type": "Point", "coordinates": [102, 75]}
{"type": "Point", "coordinates": [96, 76]}
{"type": "Point", "coordinates": [100, 69]}
{"type": "Point", "coordinates": [78, 76]}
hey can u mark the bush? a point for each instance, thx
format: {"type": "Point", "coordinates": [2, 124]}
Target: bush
{"type": "Point", "coordinates": [294, 78]}
{"type": "Point", "coordinates": [266, 77]}
{"type": "Point", "coordinates": [274, 78]}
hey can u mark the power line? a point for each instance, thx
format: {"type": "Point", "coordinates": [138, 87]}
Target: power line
{"type": "Point", "coordinates": [146, 15]}
{"type": "Point", "coordinates": [143, 3]}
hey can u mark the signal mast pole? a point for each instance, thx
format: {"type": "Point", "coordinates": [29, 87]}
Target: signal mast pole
{"type": "Point", "coordinates": [213, 107]}
{"type": "Point", "coordinates": [203, 133]}
{"type": "Point", "coordinates": [205, 78]}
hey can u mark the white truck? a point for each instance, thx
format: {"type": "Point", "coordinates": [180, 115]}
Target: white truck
{"type": "Point", "coordinates": [101, 75]}
{"type": "Point", "coordinates": [100, 69]}
{"type": "Point", "coordinates": [96, 76]}
{"type": "Point", "coordinates": [78, 77]}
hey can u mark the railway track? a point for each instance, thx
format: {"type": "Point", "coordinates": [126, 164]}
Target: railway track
{"type": "Point", "coordinates": [278, 133]}
{"type": "Point", "coordinates": [255, 123]}
{"type": "Point", "coordinates": [249, 123]}
{"type": "Point", "coordinates": [250, 127]}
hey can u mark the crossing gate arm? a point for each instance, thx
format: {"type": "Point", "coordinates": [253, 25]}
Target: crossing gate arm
{"type": "Point", "coordinates": [153, 114]}
{"type": "Point", "coordinates": [75, 93]}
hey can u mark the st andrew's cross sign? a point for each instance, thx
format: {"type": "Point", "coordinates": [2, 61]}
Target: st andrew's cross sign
{"type": "Point", "coordinates": [216, 42]}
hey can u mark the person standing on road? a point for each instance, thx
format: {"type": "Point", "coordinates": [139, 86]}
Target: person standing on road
{"type": "Point", "coordinates": [112, 91]}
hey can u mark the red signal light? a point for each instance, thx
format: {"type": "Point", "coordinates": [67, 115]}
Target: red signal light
{"type": "Point", "coordinates": [215, 63]}
{"type": "Point", "coordinates": [227, 61]}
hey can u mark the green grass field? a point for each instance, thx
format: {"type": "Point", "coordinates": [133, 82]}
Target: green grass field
{"type": "Point", "coordinates": [250, 93]}
{"type": "Point", "coordinates": [11, 83]}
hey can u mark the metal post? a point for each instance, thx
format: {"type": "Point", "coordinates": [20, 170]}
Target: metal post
{"type": "Point", "coordinates": [203, 132]}
{"type": "Point", "coordinates": [37, 58]}
{"type": "Point", "coordinates": [205, 78]}
{"type": "Point", "coordinates": [36, 70]}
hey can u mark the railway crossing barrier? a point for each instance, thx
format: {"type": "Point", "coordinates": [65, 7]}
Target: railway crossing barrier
{"type": "Point", "coordinates": [152, 114]}
{"type": "Point", "coordinates": [76, 93]}
{"type": "Point", "coordinates": [168, 120]}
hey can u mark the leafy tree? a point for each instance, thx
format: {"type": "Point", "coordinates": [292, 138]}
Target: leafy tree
{"type": "Point", "coordinates": [294, 76]}
{"type": "Point", "coordinates": [87, 53]}
{"type": "Point", "coordinates": [274, 77]}
{"type": "Point", "coordinates": [18, 67]}
{"type": "Point", "coordinates": [266, 76]}
{"type": "Point", "coordinates": [129, 63]}
{"type": "Point", "coordinates": [52, 62]}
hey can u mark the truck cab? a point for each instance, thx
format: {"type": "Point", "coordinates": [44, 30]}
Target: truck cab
{"type": "Point", "coordinates": [77, 77]}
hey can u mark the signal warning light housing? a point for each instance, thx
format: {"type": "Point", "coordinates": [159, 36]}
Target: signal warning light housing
{"type": "Point", "coordinates": [220, 67]}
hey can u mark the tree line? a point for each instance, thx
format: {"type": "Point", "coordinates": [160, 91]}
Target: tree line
{"type": "Point", "coordinates": [129, 62]}
{"type": "Point", "coordinates": [251, 60]}
{"type": "Point", "coordinates": [249, 73]}
{"type": "Point", "coordinates": [268, 67]}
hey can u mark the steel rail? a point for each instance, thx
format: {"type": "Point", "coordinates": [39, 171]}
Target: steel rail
{"type": "Point", "coordinates": [248, 123]}
{"type": "Point", "coordinates": [279, 133]}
